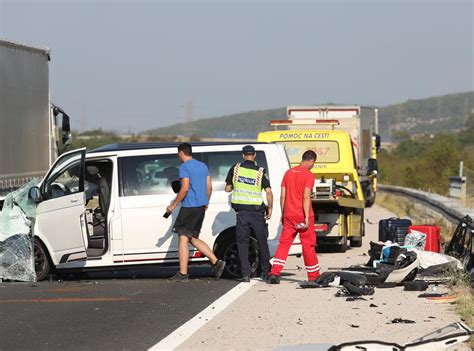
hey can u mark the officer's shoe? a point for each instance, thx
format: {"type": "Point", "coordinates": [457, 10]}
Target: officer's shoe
{"type": "Point", "coordinates": [245, 279]}
{"type": "Point", "coordinates": [178, 277]}
{"type": "Point", "coordinates": [264, 276]}
{"type": "Point", "coordinates": [218, 269]}
{"type": "Point", "coordinates": [273, 279]}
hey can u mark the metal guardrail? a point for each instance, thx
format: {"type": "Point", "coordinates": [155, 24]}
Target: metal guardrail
{"type": "Point", "coordinates": [448, 207]}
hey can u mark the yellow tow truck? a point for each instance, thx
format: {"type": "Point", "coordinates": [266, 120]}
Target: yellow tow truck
{"type": "Point", "coordinates": [339, 199]}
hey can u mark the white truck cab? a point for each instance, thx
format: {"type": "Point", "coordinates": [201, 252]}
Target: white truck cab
{"type": "Point", "coordinates": [104, 208]}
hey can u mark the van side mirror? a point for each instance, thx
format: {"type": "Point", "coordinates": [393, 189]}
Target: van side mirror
{"type": "Point", "coordinates": [66, 130]}
{"type": "Point", "coordinates": [176, 186]}
{"type": "Point", "coordinates": [35, 194]}
{"type": "Point", "coordinates": [372, 165]}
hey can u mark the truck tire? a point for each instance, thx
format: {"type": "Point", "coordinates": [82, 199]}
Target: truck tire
{"type": "Point", "coordinates": [227, 251]}
{"type": "Point", "coordinates": [357, 241]}
{"type": "Point", "coordinates": [342, 247]}
{"type": "Point", "coordinates": [370, 196]}
{"type": "Point", "coordinates": [42, 262]}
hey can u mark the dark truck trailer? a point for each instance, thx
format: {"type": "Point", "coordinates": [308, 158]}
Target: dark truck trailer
{"type": "Point", "coordinates": [28, 130]}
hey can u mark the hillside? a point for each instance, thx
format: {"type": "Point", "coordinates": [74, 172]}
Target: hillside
{"type": "Point", "coordinates": [246, 125]}
{"type": "Point", "coordinates": [445, 113]}
{"type": "Point", "coordinates": [435, 114]}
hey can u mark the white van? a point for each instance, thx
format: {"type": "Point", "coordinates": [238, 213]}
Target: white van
{"type": "Point", "coordinates": [104, 208]}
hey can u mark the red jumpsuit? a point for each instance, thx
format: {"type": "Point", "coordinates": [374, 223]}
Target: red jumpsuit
{"type": "Point", "coordinates": [295, 181]}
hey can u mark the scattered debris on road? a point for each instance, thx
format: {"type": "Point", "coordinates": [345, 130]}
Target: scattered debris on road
{"type": "Point", "coordinates": [355, 298]}
{"type": "Point", "coordinates": [441, 339]}
{"type": "Point", "coordinates": [416, 285]}
{"type": "Point", "coordinates": [401, 320]}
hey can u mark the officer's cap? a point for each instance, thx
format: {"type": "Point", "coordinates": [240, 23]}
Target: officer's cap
{"type": "Point", "coordinates": [248, 150]}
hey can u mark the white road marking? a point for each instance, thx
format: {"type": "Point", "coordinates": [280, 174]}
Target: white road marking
{"type": "Point", "coordinates": [180, 335]}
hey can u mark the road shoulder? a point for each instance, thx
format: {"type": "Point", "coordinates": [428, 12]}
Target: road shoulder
{"type": "Point", "coordinates": [271, 316]}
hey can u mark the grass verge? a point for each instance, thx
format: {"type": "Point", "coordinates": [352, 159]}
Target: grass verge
{"type": "Point", "coordinates": [464, 306]}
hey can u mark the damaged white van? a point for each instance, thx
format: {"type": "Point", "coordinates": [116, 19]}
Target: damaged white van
{"type": "Point", "coordinates": [104, 208]}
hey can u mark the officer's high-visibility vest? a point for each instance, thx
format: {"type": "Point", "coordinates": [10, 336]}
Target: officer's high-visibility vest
{"type": "Point", "coordinates": [247, 186]}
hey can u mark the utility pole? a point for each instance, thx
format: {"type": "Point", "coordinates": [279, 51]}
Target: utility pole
{"type": "Point", "coordinates": [83, 118]}
{"type": "Point", "coordinates": [189, 111]}
{"type": "Point", "coordinates": [438, 100]}
{"type": "Point", "coordinates": [376, 115]}
{"type": "Point", "coordinates": [466, 111]}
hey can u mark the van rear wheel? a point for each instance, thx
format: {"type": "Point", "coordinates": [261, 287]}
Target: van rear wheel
{"type": "Point", "coordinates": [42, 264]}
{"type": "Point", "coordinates": [227, 251]}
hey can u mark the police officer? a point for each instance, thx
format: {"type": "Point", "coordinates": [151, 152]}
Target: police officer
{"type": "Point", "coordinates": [247, 180]}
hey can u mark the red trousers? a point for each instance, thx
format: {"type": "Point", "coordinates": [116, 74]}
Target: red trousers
{"type": "Point", "coordinates": [308, 241]}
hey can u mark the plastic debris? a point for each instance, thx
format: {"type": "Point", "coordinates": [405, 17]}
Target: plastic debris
{"type": "Point", "coordinates": [433, 263]}
{"type": "Point", "coordinates": [416, 239]}
{"type": "Point", "coordinates": [353, 298]}
{"type": "Point", "coordinates": [416, 285]}
{"type": "Point", "coordinates": [441, 339]}
{"type": "Point", "coordinates": [426, 295]}
{"type": "Point", "coordinates": [401, 320]}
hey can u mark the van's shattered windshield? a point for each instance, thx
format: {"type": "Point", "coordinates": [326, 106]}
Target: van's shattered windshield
{"type": "Point", "coordinates": [16, 243]}
{"type": "Point", "coordinates": [327, 151]}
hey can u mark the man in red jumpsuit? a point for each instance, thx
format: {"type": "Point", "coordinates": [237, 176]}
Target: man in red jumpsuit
{"type": "Point", "coordinates": [297, 217]}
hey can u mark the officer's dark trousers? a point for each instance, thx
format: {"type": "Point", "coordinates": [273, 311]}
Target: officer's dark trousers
{"type": "Point", "coordinates": [248, 221]}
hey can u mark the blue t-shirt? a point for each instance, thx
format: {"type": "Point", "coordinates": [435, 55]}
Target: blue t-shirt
{"type": "Point", "coordinates": [197, 173]}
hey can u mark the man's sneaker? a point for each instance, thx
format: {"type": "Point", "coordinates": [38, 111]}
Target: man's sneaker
{"type": "Point", "coordinates": [178, 277]}
{"type": "Point", "coordinates": [264, 276]}
{"type": "Point", "coordinates": [219, 269]}
{"type": "Point", "coordinates": [273, 279]}
{"type": "Point", "coordinates": [246, 279]}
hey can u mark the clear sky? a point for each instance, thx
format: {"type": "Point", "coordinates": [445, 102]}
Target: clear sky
{"type": "Point", "coordinates": [132, 65]}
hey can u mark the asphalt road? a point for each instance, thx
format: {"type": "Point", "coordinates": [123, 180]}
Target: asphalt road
{"type": "Point", "coordinates": [106, 311]}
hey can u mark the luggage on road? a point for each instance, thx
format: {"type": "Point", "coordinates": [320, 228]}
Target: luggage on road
{"type": "Point", "coordinates": [416, 240]}
{"type": "Point", "coordinates": [432, 233]}
{"type": "Point", "coordinates": [394, 229]}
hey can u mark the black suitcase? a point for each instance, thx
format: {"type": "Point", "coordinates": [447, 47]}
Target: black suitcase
{"type": "Point", "coordinates": [399, 234]}
{"type": "Point", "coordinates": [388, 229]}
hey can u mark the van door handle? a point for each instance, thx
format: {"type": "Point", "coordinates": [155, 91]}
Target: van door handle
{"type": "Point", "coordinates": [74, 199]}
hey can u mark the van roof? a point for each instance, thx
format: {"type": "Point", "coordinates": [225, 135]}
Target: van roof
{"type": "Point", "coordinates": [142, 146]}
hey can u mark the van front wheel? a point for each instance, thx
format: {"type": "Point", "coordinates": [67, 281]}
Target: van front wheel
{"type": "Point", "coordinates": [42, 265]}
{"type": "Point", "coordinates": [228, 252]}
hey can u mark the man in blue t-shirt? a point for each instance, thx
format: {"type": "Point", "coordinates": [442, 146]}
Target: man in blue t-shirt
{"type": "Point", "coordinates": [194, 195]}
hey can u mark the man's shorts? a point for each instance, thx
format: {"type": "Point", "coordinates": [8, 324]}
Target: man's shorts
{"type": "Point", "coordinates": [189, 221]}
